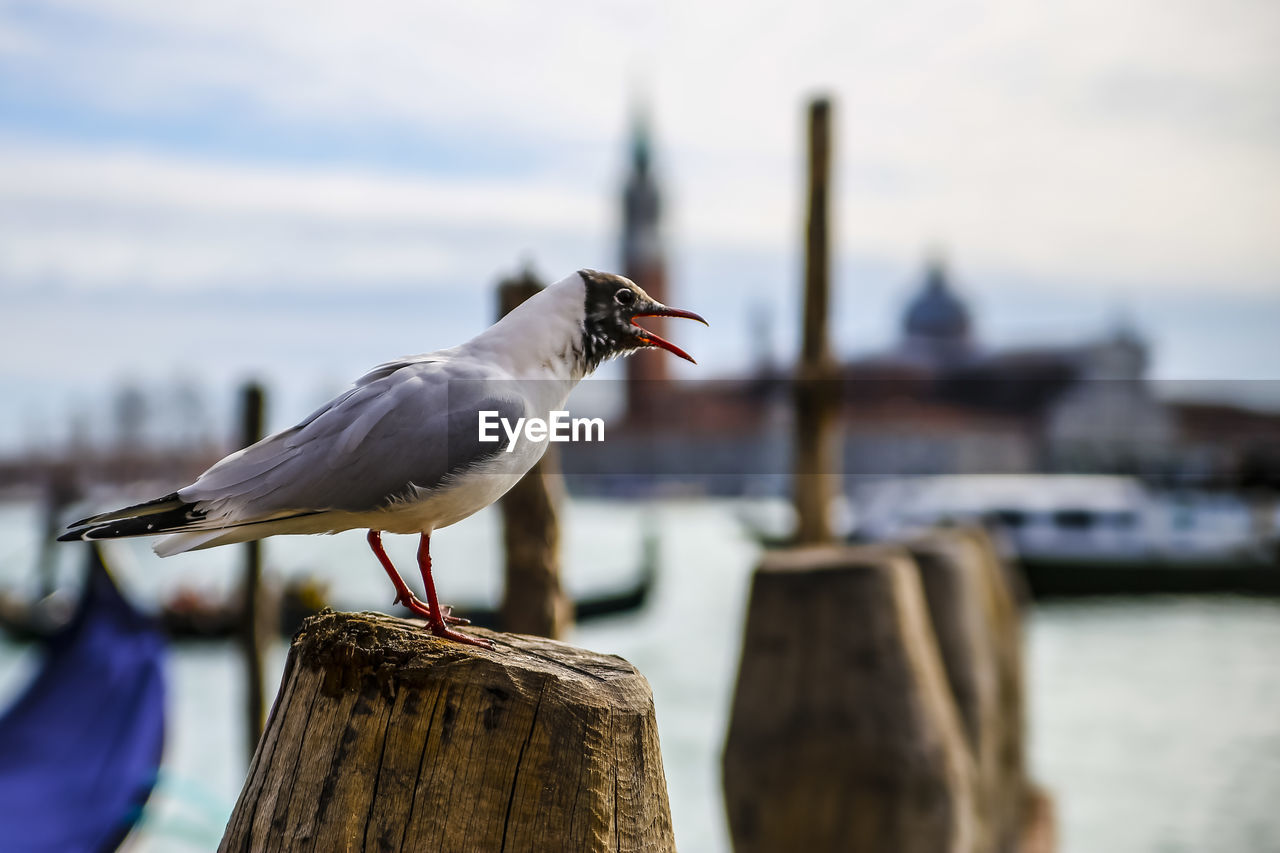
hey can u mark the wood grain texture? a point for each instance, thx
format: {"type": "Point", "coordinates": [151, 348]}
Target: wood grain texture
{"type": "Point", "coordinates": [980, 638]}
{"type": "Point", "coordinates": [384, 738]}
{"type": "Point", "coordinates": [843, 733]}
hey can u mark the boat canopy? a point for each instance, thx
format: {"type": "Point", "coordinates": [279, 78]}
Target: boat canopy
{"type": "Point", "coordinates": [79, 750]}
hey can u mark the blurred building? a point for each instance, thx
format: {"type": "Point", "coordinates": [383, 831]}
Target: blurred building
{"type": "Point", "coordinates": [977, 409]}
{"type": "Point", "coordinates": [936, 329]}
{"type": "Point", "coordinates": [937, 401]}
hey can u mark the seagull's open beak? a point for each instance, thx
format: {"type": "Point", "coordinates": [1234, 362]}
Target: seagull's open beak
{"type": "Point", "coordinates": [657, 309]}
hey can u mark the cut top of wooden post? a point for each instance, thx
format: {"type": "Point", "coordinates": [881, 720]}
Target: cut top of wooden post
{"type": "Point", "coordinates": [359, 650]}
{"type": "Point", "coordinates": [385, 738]}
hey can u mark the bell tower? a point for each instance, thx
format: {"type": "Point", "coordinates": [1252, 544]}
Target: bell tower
{"type": "Point", "coordinates": [644, 262]}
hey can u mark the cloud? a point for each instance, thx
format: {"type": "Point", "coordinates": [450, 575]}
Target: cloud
{"type": "Point", "coordinates": [1135, 147]}
{"type": "Point", "coordinates": [94, 218]}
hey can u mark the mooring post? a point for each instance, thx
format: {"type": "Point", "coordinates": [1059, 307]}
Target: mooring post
{"type": "Point", "coordinates": [61, 489]}
{"type": "Point", "coordinates": [843, 734]}
{"type": "Point", "coordinates": [253, 631]}
{"type": "Point", "coordinates": [385, 738]}
{"type": "Point", "coordinates": [977, 624]}
{"type": "Point", "coordinates": [534, 600]}
{"type": "Point", "coordinates": [816, 465]}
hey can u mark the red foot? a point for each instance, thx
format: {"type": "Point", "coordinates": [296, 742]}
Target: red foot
{"type": "Point", "coordinates": [437, 625]}
{"type": "Point", "coordinates": [404, 595]}
{"type": "Point", "coordinates": [438, 629]}
{"type": "Point", "coordinates": [420, 607]}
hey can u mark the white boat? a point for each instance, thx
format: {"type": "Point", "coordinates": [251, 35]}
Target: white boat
{"type": "Point", "coordinates": [1087, 534]}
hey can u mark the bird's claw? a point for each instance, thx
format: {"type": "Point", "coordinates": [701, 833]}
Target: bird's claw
{"type": "Point", "coordinates": [446, 611]}
{"type": "Point", "coordinates": [421, 608]}
{"type": "Point", "coordinates": [439, 630]}
{"type": "Point", "coordinates": [438, 624]}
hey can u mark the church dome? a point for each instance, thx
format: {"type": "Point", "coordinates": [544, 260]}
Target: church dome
{"type": "Point", "coordinates": [937, 313]}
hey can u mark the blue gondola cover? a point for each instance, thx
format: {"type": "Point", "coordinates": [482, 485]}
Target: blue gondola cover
{"type": "Point", "coordinates": [79, 750]}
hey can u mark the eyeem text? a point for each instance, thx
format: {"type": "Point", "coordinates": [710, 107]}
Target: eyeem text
{"type": "Point", "coordinates": [560, 427]}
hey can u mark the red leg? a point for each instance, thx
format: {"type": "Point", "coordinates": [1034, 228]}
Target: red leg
{"type": "Point", "coordinates": [404, 595]}
{"type": "Point", "coordinates": [437, 624]}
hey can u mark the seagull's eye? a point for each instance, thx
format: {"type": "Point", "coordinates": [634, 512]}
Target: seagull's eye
{"type": "Point", "coordinates": [625, 297]}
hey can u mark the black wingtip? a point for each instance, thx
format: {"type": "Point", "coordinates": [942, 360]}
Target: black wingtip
{"type": "Point", "coordinates": [160, 505]}
{"type": "Point", "coordinates": [145, 519]}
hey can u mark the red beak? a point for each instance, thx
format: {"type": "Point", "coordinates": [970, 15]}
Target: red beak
{"type": "Point", "coordinates": [655, 340]}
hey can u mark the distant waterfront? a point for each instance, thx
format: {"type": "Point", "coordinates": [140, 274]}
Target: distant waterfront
{"type": "Point", "coordinates": [1152, 721]}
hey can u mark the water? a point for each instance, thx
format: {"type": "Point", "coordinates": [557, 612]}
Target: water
{"type": "Point", "coordinates": [1154, 722]}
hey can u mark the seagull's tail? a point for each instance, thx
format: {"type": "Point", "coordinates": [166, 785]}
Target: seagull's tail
{"type": "Point", "coordinates": [161, 515]}
{"type": "Point", "coordinates": [196, 539]}
{"type": "Point", "coordinates": [178, 543]}
{"type": "Point", "coordinates": [189, 526]}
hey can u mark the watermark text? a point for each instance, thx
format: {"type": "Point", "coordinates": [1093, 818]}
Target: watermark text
{"type": "Point", "coordinates": [560, 427]}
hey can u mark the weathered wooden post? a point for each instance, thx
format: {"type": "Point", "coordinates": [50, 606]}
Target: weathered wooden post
{"type": "Point", "coordinates": [979, 635]}
{"type": "Point", "coordinates": [843, 733]}
{"type": "Point", "coordinates": [385, 738]}
{"type": "Point", "coordinates": [816, 466]}
{"type": "Point", "coordinates": [534, 601]}
{"type": "Point", "coordinates": [253, 630]}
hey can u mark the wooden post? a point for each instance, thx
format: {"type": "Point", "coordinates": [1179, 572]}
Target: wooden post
{"type": "Point", "coordinates": [534, 601]}
{"type": "Point", "coordinates": [61, 490]}
{"type": "Point", "coordinates": [843, 733]}
{"type": "Point", "coordinates": [816, 466]}
{"type": "Point", "coordinates": [979, 635]}
{"type": "Point", "coordinates": [1040, 827]}
{"type": "Point", "coordinates": [252, 629]}
{"type": "Point", "coordinates": [385, 738]}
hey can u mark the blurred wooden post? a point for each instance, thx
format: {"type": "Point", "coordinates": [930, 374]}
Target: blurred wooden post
{"type": "Point", "coordinates": [61, 490]}
{"type": "Point", "coordinates": [384, 738]}
{"type": "Point", "coordinates": [252, 628]}
{"type": "Point", "coordinates": [976, 621]}
{"type": "Point", "coordinates": [816, 466]}
{"type": "Point", "coordinates": [843, 734]}
{"type": "Point", "coordinates": [534, 601]}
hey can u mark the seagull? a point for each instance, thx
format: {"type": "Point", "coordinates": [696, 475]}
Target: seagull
{"type": "Point", "coordinates": [400, 450]}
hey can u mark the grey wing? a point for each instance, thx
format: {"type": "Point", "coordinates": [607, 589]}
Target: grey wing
{"type": "Point", "coordinates": [410, 427]}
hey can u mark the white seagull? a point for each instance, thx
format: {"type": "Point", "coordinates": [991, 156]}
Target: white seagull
{"type": "Point", "coordinates": [400, 450]}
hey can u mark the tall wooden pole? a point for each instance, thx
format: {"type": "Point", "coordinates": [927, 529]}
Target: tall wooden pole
{"type": "Point", "coordinates": [816, 463]}
{"type": "Point", "coordinates": [534, 601]}
{"type": "Point", "coordinates": [251, 626]}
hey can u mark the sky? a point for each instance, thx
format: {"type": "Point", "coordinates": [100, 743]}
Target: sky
{"type": "Point", "coordinates": [203, 192]}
